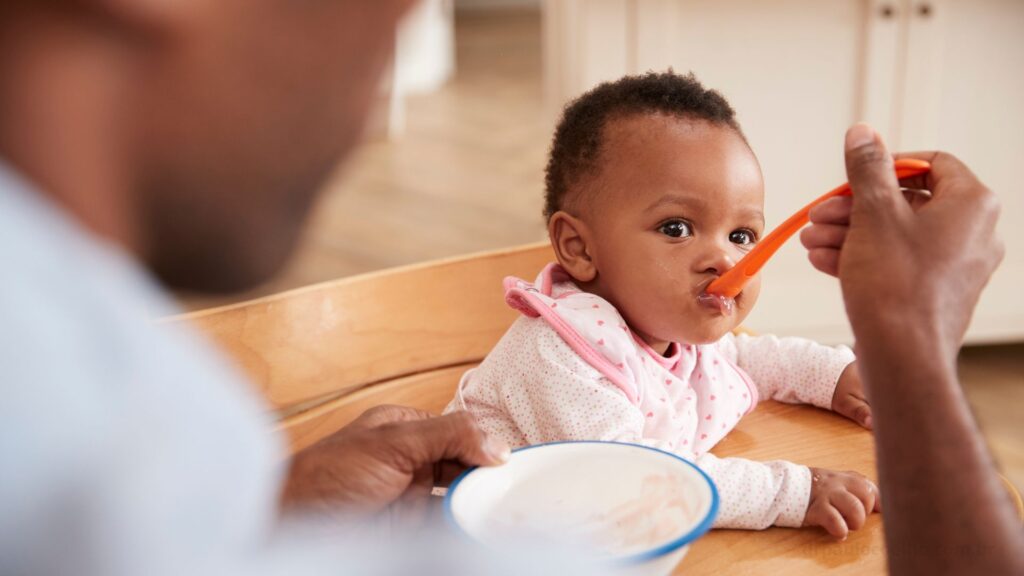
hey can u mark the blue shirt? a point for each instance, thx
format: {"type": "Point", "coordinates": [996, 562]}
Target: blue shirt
{"type": "Point", "coordinates": [126, 446]}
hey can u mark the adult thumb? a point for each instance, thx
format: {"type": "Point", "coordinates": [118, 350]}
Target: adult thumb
{"type": "Point", "coordinates": [869, 169]}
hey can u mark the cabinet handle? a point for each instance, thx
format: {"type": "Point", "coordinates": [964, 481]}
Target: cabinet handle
{"type": "Point", "coordinates": [887, 11]}
{"type": "Point", "coordinates": [924, 10]}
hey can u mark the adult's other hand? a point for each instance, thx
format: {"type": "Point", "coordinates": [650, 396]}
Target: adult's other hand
{"type": "Point", "coordinates": [386, 455]}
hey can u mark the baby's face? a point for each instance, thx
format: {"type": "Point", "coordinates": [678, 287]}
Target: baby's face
{"type": "Point", "coordinates": [675, 204]}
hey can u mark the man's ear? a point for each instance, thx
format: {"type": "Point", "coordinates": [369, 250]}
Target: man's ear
{"type": "Point", "coordinates": [570, 239]}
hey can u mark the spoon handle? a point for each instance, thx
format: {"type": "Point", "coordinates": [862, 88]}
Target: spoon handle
{"type": "Point", "coordinates": [733, 280]}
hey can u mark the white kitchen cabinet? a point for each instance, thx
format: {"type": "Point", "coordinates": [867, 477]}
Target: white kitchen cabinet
{"type": "Point", "coordinates": [946, 74]}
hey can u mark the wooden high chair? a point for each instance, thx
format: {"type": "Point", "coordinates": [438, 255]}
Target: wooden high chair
{"type": "Point", "coordinates": [324, 354]}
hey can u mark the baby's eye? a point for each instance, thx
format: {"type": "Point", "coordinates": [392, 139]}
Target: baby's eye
{"type": "Point", "coordinates": [742, 237]}
{"type": "Point", "coordinates": [676, 228]}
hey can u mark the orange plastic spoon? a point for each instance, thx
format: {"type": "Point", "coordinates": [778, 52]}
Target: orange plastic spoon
{"type": "Point", "coordinates": [731, 283]}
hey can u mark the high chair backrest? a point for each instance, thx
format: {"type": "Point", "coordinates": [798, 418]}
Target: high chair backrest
{"type": "Point", "coordinates": [323, 354]}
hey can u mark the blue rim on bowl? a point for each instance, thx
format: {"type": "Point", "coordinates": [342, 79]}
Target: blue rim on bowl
{"type": "Point", "coordinates": [697, 531]}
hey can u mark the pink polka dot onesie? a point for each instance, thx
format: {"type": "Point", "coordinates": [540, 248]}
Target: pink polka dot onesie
{"type": "Point", "coordinates": [571, 369]}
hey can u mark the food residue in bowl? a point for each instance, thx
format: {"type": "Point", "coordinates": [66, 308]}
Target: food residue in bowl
{"type": "Point", "coordinates": [661, 512]}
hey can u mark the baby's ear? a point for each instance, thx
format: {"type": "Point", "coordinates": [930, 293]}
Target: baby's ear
{"type": "Point", "coordinates": [570, 237]}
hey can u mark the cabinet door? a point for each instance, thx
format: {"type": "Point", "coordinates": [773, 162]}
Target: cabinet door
{"type": "Point", "coordinates": [585, 42]}
{"type": "Point", "coordinates": [963, 93]}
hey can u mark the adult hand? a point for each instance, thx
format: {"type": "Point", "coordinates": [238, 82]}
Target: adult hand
{"type": "Point", "coordinates": [909, 274]}
{"type": "Point", "coordinates": [911, 277]}
{"type": "Point", "coordinates": [387, 454]}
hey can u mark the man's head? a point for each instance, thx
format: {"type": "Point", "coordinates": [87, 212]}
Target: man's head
{"type": "Point", "coordinates": [232, 115]}
{"type": "Point", "coordinates": [652, 193]}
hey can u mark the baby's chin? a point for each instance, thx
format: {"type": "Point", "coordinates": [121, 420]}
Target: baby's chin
{"type": "Point", "coordinates": [714, 328]}
{"type": "Point", "coordinates": [707, 331]}
{"type": "Point", "coordinates": [704, 337]}
{"type": "Point", "coordinates": [701, 326]}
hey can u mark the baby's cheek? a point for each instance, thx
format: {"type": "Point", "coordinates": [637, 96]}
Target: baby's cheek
{"type": "Point", "coordinates": [745, 303]}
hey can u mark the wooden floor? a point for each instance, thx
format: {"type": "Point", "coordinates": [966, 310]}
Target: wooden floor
{"type": "Point", "coordinates": [467, 176]}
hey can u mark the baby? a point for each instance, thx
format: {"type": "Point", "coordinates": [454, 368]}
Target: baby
{"type": "Point", "coordinates": [652, 193]}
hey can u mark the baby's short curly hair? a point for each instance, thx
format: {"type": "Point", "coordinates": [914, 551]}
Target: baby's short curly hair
{"type": "Point", "coordinates": [576, 145]}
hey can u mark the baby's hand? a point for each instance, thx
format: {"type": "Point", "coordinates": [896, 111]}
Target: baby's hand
{"type": "Point", "coordinates": [849, 400]}
{"type": "Point", "coordinates": [841, 501]}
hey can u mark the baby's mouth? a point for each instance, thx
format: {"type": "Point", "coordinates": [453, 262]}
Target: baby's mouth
{"type": "Point", "coordinates": [722, 304]}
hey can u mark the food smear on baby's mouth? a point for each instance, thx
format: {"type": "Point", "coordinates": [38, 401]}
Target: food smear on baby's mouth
{"type": "Point", "coordinates": [723, 304]}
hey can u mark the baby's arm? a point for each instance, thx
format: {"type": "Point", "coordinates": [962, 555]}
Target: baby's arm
{"type": "Point", "coordinates": [756, 495]}
{"type": "Point", "coordinates": [792, 370]}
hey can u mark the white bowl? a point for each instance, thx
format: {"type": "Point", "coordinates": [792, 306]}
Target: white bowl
{"type": "Point", "coordinates": [630, 508]}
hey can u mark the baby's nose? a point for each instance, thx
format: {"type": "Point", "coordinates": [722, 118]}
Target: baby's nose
{"type": "Point", "coordinates": [718, 261]}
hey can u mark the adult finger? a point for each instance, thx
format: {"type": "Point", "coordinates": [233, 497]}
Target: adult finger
{"type": "Point", "coordinates": [853, 510]}
{"type": "Point", "coordinates": [823, 236]}
{"type": "Point", "coordinates": [948, 175]}
{"type": "Point", "coordinates": [835, 210]}
{"type": "Point", "coordinates": [446, 471]}
{"type": "Point", "coordinates": [387, 414]}
{"type": "Point", "coordinates": [915, 201]}
{"type": "Point", "coordinates": [921, 181]}
{"type": "Point", "coordinates": [457, 436]}
{"type": "Point", "coordinates": [825, 260]}
{"type": "Point", "coordinates": [869, 169]}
